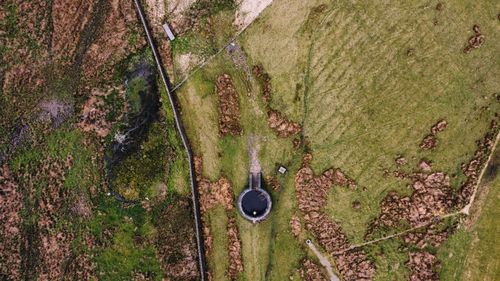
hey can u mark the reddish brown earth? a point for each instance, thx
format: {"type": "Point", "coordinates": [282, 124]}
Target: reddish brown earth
{"type": "Point", "coordinates": [11, 202]}
{"type": "Point", "coordinates": [311, 192]}
{"type": "Point", "coordinates": [311, 271]}
{"type": "Point", "coordinates": [229, 107]}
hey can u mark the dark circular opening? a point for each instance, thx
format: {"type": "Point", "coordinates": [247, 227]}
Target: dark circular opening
{"type": "Point", "coordinates": [254, 203]}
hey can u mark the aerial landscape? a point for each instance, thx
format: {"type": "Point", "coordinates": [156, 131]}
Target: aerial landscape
{"type": "Point", "coordinates": [249, 140]}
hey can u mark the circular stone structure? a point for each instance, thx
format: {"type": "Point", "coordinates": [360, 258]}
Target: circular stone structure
{"type": "Point", "coordinates": [254, 204]}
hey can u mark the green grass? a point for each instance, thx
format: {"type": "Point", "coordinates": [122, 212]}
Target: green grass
{"type": "Point", "coordinates": [124, 257]}
{"type": "Point", "coordinates": [133, 94]}
{"type": "Point", "coordinates": [219, 259]}
{"type": "Point", "coordinates": [389, 259]}
{"type": "Point", "coordinates": [470, 254]}
{"type": "Point", "coordinates": [344, 72]}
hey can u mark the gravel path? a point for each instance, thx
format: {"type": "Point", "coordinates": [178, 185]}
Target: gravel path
{"type": "Point", "coordinates": [323, 260]}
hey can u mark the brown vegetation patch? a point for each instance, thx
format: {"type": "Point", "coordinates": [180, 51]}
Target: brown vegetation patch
{"type": "Point", "coordinates": [281, 125]}
{"type": "Point", "coordinates": [176, 242]}
{"type": "Point", "coordinates": [430, 141]}
{"type": "Point", "coordinates": [311, 192]}
{"type": "Point", "coordinates": [400, 160]}
{"type": "Point", "coordinates": [475, 41]}
{"type": "Point", "coordinates": [277, 121]}
{"type": "Point", "coordinates": [273, 183]}
{"type": "Point", "coordinates": [473, 168]}
{"type": "Point", "coordinates": [229, 107]}
{"type": "Point", "coordinates": [295, 225]}
{"type": "Point", "coordinates": [432, 197]}
{"type": "Point", "coordinates": [94, 112]}
{"type": "Point", "coordinates": [311, 271]}
{"type": "Point", "coordinates": [235, 260]}
{"type": "Point", "coordinates": [429, 237]}
{"type": "Point", "coordinates": [341, 179]}
{"type": "Point", "coordinates": [27, 45]}
{"type": "Point", "coordinates": [112, 43]}
{"type": "Point", "coordinates": [423, 267]}
{"type": "Point", "coordinates": [211, 194]}
{"type": "Point", "coordinates": [69, 19]}
{"type": "Point", "coordinates": [258, 71]}
{"type": "Point", "coordinates": [11, 202]}
{"type": "Point", "coordinates": [425, 166]}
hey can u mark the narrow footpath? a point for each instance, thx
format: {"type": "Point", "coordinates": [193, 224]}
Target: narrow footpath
{"type": "Point", "coordinates": [185, 142]}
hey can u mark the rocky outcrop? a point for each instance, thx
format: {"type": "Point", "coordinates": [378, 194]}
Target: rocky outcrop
{"type": "Point", "coordinates": [229, 107]}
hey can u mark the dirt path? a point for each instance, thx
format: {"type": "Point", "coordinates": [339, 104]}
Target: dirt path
{"type": "Point", "coordinates": [253, 153]}
{"type": "Point", "coordinates": [323, 260]}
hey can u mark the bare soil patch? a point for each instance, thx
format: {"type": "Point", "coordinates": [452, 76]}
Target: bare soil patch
{"type": "Point", "coordinates": [248, 11]}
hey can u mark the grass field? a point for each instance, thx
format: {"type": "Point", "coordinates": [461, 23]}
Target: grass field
{"type": "Point", "coordinates": [470, 253]}
{"type": "Point", "coordinates": [367, 81]}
